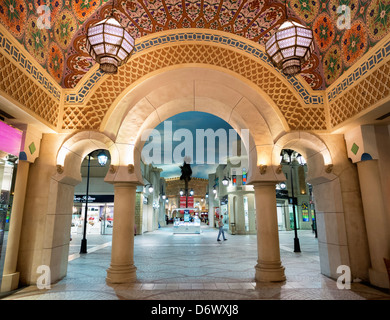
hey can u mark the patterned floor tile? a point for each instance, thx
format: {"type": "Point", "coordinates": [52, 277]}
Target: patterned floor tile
{"type": "Point", "coordinates": [173, 267]}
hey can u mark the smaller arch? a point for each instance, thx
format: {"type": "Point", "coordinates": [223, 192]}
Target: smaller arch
{"type": "Point", "coordinates": [312, 148]}
{"type": "Point", "coordinates": [75, 148]}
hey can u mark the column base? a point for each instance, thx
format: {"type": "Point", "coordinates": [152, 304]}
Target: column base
{"type": "Point", "coordinates": [121, 274]}
{"type": "Point", "coordinates": [10, 282]}
{"type": "Point", "coordinates": [269, 272]}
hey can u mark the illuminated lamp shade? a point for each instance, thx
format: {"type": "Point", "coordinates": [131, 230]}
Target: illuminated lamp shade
{"type": "Point", "coordinates": [102, 158]}
{"type": "Point", "coordinates": [109, 44]}
{"type": "Point", "coordinates": [290, 46]}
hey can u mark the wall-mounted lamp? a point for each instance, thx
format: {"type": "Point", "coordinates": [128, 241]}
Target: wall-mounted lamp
{"type": "Point", "coordinates": [181, 192]}
{"type": "Point", "coordinates": [191, 192]}
{"type": "Point", "coordinates": [150, 189]}
{"type": "Point", "coordinates": [225, 181]}
{"type": "Point", "coordinates": [301, 159]}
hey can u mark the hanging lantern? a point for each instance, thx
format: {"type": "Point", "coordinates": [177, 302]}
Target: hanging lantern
{"type": "Point", "coordinates": [290, 46]}
{"type": "Point", "coordinates": [109, 44]}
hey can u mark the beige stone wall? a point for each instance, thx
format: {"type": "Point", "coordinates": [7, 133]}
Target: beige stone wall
{"type": "Point", "coordinates": [46, 218]}
{"type": "Point", "coordinates": [340, 220]}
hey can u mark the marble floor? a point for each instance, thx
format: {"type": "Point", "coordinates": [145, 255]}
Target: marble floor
{"type": "Point", "coordinates": [196, 267]}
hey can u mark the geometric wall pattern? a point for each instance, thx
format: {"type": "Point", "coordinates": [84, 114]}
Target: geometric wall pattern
{"type": "Point", "coordinates": [366, 84]}
{"type": "Point", "coordinates": [28, 92]}
{"type": "Point", "coordinates": [90, 115]}
{"type": "Point", "coordinates": [309, 97]}
{"type": "Point", "coordinates": [60, 50]}
{"type": "Point", "coordinates": [252, 20]}
{"type": "Point", "coordinates": [373, 88]}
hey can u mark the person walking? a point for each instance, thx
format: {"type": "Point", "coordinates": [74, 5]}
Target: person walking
{"type": "Point", "coordinates": [220, 226]}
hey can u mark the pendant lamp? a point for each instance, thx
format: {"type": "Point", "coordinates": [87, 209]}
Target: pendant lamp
{"type": "Point", "coordinates": [290, 46]}
{"type": "Point", "coordinates": [109, 44]}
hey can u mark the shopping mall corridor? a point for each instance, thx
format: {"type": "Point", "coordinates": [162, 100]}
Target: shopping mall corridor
{"type": "Point", "coordinates": [196, 267]}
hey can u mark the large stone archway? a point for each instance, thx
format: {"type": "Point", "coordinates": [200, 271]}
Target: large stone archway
{"type": "Point", "coordinates": [194, 88]}
{"type": "Point", "coordinates": [196, 75]}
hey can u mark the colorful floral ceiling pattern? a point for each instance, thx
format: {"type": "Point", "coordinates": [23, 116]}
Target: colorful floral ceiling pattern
{"type": "Point", "coordinates": [344, 30]}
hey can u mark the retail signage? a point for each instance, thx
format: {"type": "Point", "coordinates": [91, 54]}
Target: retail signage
{"type": "Point", "coordinates": [10, 139]}
{"type": "Point", "coordinates": [190, 202]}
{"type": "Point", "coordinates": [305, 211]}
{"type": "Point", "coordinates": [94, 198]}
{"type": "Point", "coordinates": [292, 200]}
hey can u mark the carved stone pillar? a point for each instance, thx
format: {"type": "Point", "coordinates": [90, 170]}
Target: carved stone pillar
{"type": "Point", "coordinates": [269, 266]}
{"type": "Point", "coordinates": [122, 267]}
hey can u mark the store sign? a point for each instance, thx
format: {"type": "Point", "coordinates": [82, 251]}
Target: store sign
{"type": "Point", "coordinates": [183, 202]}
{"type": "Point", "coordinates": [94, 198]}
{"type": "Point", "coordinates": [224, 200]}
{"type": "Point", "coordinates": [10, 139]}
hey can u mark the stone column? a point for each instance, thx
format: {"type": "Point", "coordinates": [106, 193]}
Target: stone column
{"type": "Point", "coordinates": [251, 213]}
{"type": "Point", "coordinates": [210, 199]}
{"type": "Point", "coordinates": [122, 267]}
{"type": "Point", "coordinates": [240, 214]}
{"type": "Point", "coordinates": [269, 266]}
{"type": "Point", "coordinates": [10, 279]}
{"type": "Point", "coordinates": [376, 221]}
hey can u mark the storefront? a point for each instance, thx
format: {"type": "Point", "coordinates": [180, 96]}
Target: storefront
{"type": "Point", "coordinates": [225, 212]}
{"type": "Point", "coordinates": [189, 224]}
{"type": "Point", "coordinates": [100, 214]}
{"type": "Point", "coordinates": [10, 144]}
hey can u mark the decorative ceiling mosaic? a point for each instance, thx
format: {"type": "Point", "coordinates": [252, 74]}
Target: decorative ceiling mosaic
{"type": "Point", "coordinates": [344, 30]}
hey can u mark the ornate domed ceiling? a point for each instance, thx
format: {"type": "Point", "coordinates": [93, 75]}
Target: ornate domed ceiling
{"type": "Point", "coordinates": [60, 48]}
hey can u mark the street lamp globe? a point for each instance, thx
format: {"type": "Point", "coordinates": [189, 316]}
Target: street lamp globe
{"type": "Point", "coordinates": [102, 158]}
{"type": "Point", "coordinates": [225, 181]}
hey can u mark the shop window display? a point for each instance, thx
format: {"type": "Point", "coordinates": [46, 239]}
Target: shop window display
{"type": "Point", "coordinates": [7, 170]}
{"type": "Point", "coordinates": [100, 216]}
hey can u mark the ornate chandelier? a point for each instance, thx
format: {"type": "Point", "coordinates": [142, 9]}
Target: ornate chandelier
{"type": "Point", "coordinates": [109, 44]}
{"type": "Point", "coordinates": [290, 46]}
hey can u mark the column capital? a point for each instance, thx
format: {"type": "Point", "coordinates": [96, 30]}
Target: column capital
{"type": "Point", "coordinates": [257, 184]}
{"type": "Point", "coordinates": [124, 184]}
{"type": "Point", "coordinates": [266, 173]}
{"type": "Point", "coordinates": [123, 174]}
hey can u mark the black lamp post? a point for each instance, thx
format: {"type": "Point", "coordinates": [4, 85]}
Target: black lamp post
{"type": "Point", "coordinates": [102, 159]}
{"type": "Point", "coordinates": [186, 173]}
{"type": "Point", "coordinates": [297, 247]}
{"type": "Point", "coordinates": [313, 211]}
